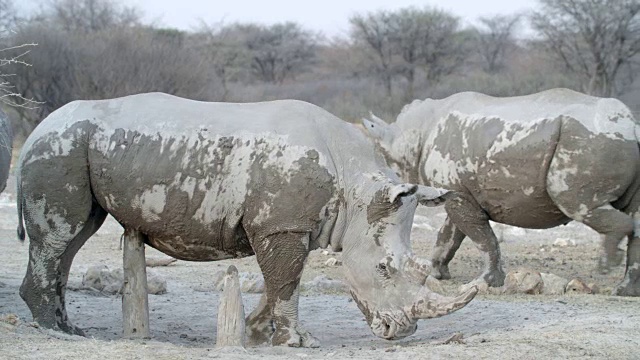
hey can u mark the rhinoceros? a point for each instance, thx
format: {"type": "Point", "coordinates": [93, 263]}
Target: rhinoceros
{"type": "Point", "coordinates": [535, 161]}
{"type": "Point", "coordinates": [208, 181]}
{"type": "Point", "coordinates": [6, 148]}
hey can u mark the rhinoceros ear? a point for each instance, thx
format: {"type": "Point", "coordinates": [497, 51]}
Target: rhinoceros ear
{"type": "Point", "coordinates": [378, 129]}
{"type": "Point", "coordinates": [401, 190]}
{"type": "Point", "coordinates": [430, 196]}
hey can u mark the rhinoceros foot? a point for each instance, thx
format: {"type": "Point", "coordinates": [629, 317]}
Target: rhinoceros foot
{"type": "Point", "coordinates": [610, 260]}
{"type": "Point", "coordinates": [630, 286]}
{"type": "Point", "coordinates": [296, 337]}
{"type": "Point", "coordinates": [71, 329]}
{"type": "Point", "coordinates": [441, 272]}
{"type": "Point", "coordinates": [494, 278]}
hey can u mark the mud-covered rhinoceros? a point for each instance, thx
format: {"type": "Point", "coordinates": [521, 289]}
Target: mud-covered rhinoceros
{"type": "Point", "coordinates": [209, 181]}
{"type": "Point", "coordinates": [533, 161]}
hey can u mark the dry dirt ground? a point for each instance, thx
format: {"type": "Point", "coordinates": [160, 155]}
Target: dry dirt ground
{"type": "Point", "coordinates": [183, 321]}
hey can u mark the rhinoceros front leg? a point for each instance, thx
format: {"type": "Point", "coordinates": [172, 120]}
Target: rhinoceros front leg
{"type": "Point", "coordinates": [448, 242]}
{"type": "Point", "coordinates": [281, 258]}
{"type": "Point", "coordinates": [259, 324]}
{"type": "Point", "coordinates": [470, 219]}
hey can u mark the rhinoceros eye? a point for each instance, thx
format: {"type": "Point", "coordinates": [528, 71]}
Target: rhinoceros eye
{"type": "Point", "coordinates": [383, 270]}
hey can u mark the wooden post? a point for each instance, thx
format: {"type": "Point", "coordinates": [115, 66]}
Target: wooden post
{"type": "Point", "coordinates": [231, 312]}
{"type": "Point", "coordinates": [135, 301]}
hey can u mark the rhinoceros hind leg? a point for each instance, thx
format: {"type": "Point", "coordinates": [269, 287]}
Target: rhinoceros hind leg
{"type": "Point", "coordinates": [50, 257]}
{"type": "Point", "coordinates": [630, 285]}
{"type": "Point", "coordinates": [449, 239]}
{"type": "Point", "coordinates": [473, 221]}
{"type": "Point", "coordinates": [281, 257]}
{"type": "Point", "coordinates": [613, 224]}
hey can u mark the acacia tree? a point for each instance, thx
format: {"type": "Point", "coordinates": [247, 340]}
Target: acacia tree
{"type": "Point", "coordinates": [279, 51]}
{"type": "Point", "coordinates": [493, 39]}
{"type": "Point", "coordinates": [410, 40]}
{"type": "Point", "coordinates": [594, 39]}
{"type": "Point", "coordinates": [373, 33]}
{"type": "Point", "coordinates": [12, 55]}
{"type": "Point", "coordinates": [224, 51]}
{"type": "Point", "coordinates": [92, 15]}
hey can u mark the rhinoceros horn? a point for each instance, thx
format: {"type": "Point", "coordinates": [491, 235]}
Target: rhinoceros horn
{"type": "Point", "coordinates": [432, 305]}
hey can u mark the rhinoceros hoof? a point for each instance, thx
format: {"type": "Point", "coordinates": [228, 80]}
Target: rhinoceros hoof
{"type": "Point", "coordinates": [627, 290]}
{"type": "Point", "coordinates": [441, 272]}
{"type": "Point", "coordinates": [258, 335]}
{"type": "Point", "coordinates": [71, 329]}
{"type": "Point", "coordinates": [630, 286]}
{"type": "Point", "coordinates": [494, 278]}
{"type": "Point", "coordinates": [294, 338]}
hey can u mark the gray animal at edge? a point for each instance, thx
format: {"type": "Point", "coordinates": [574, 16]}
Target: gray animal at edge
{"type": "Point", "coordinates": [535, 161]}
{"type": "Point", "coordinates": [6, 149]}
{"type": "Point", "coordinates": [210, 181]}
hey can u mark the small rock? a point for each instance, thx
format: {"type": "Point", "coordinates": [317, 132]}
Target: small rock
{"type": "Point", "coordinates": [483, 287]}
{"type": "Point", "coordinates": [455, 338]}
{"type": "Point", "coordinates": [249, 282]}
{"type": "Point", "coordinates": [332, 262]}
{"type": "Point", "coordinates": [156, 284]}
{"type": "Point", "coordinates": [523, 281]}
{"type": "Point", "coordinates": [154, 262]}
{"type": "Point", "coordinates": [553, 284]}
{"type": "Point", "coordinates": [11, 319]}
{"type": "Point", "coordinates": [107, 281]}
{"type": "Point", "coordinates": [577, 286]}
{"type": "Point", "coordinates": [325, 252]}
{"type": "Point", "coordinates": [564, 242]}
{"type": "Point", "coordinates": [322, 283]}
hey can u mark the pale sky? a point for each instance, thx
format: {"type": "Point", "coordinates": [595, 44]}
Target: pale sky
{"type": "Point", "coordinates": [328, 16]}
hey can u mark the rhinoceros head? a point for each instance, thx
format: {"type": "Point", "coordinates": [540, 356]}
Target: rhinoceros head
{"type": "Point", "coordinates": [400, 149]}
{"type": "Point", "coordinates": [387, 280]}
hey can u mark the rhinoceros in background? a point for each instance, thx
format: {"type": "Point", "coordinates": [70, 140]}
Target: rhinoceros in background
{"type": "Point", "coordinates": [6, 147]}
{"type": "Point", "coordinates": [533, 161]}
{"type": "Point", "coordinates": [209, 181]}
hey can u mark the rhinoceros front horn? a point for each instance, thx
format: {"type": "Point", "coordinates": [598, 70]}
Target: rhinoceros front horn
{"type": "Point", "coordinates": [432, 305]}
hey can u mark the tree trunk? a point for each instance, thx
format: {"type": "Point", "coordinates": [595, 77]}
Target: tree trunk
{"type": "Point", "coordinates": [135, 302]}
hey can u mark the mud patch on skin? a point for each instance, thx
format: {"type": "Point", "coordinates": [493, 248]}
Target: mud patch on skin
{"type": "Point", "coordinates": [581, 156]}
{"type": "Point", "coordinates": [64, 210]}
{"type": "Point", "coordinates": [185, 171]}
{"type": "Point", "coordinates": [307, 184]}
{"type": "Point", "coordinates": [380, 207]}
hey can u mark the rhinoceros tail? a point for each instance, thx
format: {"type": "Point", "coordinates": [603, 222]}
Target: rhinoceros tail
{"type": "Point", "coordinates": [21, 233]}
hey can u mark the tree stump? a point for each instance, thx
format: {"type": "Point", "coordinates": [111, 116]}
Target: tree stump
{"type": "Point", "coordinates": [231, 312]}
{"type": "Point", "coordinates": [135, 300]}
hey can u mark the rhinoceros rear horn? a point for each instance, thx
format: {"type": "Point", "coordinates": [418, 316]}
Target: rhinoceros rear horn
{"type": "Point", "coordinates": [432, 305]}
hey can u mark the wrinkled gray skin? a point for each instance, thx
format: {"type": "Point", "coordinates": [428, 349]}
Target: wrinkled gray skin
{"type": "Point", "coordinates": [534, 161]}
{"type": "Point", "coordinates": [210, 181]}
{"type": "Point", "coordinates": [6, 147]}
